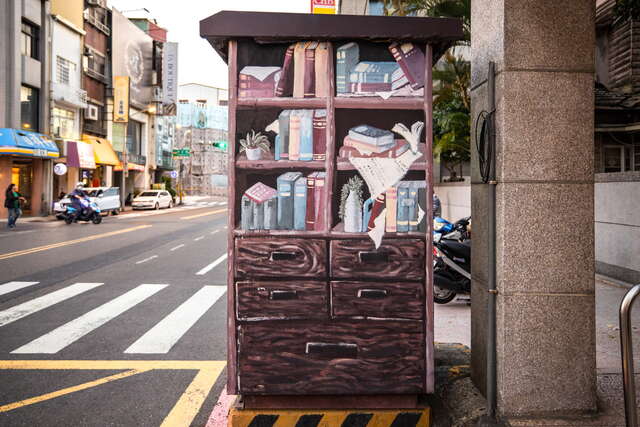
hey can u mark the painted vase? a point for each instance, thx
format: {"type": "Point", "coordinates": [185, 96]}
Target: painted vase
{"type": "Point", "coordinates": [352, 214]}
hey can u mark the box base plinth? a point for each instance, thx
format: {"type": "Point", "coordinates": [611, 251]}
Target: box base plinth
{"type": "Point", "coordinates": [382, 401]}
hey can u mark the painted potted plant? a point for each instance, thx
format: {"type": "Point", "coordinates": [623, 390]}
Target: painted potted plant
{"type": "Point", "coordinates": [351, 205]}
{"type": "Point", "coordinates": [254, 144]}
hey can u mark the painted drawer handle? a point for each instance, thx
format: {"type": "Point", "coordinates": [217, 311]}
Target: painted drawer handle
{"type": "Point", "coordinates": [372, 293]}
{"type": "Point", "coordinates": [279, 295]}
{"type": "Point", "coordinates": [332, 350]}
{"type": "Point", "coordinates": [373, 257]}
{"type": "Point", "coordinates": [282, 256]}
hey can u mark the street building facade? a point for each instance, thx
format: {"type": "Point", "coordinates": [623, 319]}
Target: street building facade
{"type": "Point", "coordinates": [26, 151]}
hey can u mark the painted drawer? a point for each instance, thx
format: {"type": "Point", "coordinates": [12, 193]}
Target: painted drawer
{"type": "Point", "coordinates": [281, 300]}
{"type": "Point", "coordinates": [277, 257]}
{"type": "Point", "coordinates": [400, 259]}
{"type": "Point", "coordinates": [357, 357]}
{"type": "Point", "coordinates": [390, 300]}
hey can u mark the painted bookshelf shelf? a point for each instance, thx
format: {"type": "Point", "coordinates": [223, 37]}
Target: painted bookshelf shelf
{"type": "Point", "coordinates": [378, 103]}
{"type": "Point", "coordinates": [343, 163]}
{"type": "Point", "coordinates": [339, 233]}
{"type": "Point", "coordinates": [279, 233]}
{"type": "Point", "coordinates": [284, 102]}
{"type": "Point", "coordinates": [270, 163]}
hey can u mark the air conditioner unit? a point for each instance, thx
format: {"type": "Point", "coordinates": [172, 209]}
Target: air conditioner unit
{"type": "Point", "coordinates": [87, 51]}
{"type": "Point", "coordinates": [91, 112]}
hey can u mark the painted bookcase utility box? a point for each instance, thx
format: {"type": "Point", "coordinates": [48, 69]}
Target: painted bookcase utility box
{"type": "Point", "coordinates": [329, 255]}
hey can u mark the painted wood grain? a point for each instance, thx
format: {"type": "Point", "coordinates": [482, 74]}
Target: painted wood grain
{"type": "Point", "coordinates": [357, 357]}
{"type": "Point", "coordinates": [282, 300]}
{"type": "Point", "coordinates": [394, 259]}
{"type": "Point", "coordinates": [278, 257]}
{"type": "Point", "coordinates": [391, 300]}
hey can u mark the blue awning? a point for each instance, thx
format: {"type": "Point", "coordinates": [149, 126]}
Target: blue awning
{"type": "Point", "coordinates": [27, 143]}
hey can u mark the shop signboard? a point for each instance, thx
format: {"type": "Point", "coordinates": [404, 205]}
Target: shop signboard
{"type": "Point", "coordinates": [80, 155]}
{"type": "Point", "coordinates": [325, 7]}
{"type": "Point", "coordinates": [170, 78]}
{"type": "Point", "coordinates": [60, 169]}
{"type": "Point", "coordinates": [121, 85]}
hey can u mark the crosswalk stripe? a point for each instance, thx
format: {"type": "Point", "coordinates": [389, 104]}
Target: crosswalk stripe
{"type": "Point", "coordinates": [166, 333]}
{"type": "Point", "coordinates": [211, 266]}
{"type": "Point", "coordinates": [25, 309]}
{"type": "Point", "coordinates": [14, 286]}
{"type": "Point", "coordinates": [70, 332]}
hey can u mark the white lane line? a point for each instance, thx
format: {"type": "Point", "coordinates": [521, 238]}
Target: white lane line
{"type": "Point", "coordinates": [147, 259]}
{"type": "Point", "coordinates": [72, 331]}
{"type": "Point", "coordinates": [14, 286]}
{"type": "Point", "coordinates": [166, 333]}
{"type": "Point", "coordinates": [214, 231]}
{"type": "Point", "coordinates": [211, 266]}
{"type": "Point", "coordinates": [177, 247]}
{"type": "Point", "coordinates": [13, 233]}
{"type": "Point", "coordinates": [198, 238]}
{"type": "Point", "coordinates": [22, 310]}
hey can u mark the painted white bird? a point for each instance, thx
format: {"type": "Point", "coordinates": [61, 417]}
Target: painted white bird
{"type": "Point", "coordinates": [412, 136]}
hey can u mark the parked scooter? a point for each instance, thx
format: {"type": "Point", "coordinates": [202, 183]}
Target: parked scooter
{"type": "Point", "coordinates": [451, 269]}
{"type": "Point", "coordinates": [459, 230]}
{"type": "Point", "coordinates": [89, 212]}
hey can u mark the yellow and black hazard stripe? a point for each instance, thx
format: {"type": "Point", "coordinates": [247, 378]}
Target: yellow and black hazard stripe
{"type": "Point", "coordinates": [310, 418]}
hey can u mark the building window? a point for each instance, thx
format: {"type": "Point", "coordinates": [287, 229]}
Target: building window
{"type": "Point", "coordinates": [30, 38]}
{"type": "Point", "coordinates": [64, 70]}
{"type": "Point", "coordinates": [134, 137]}
{"type": "Point", "coordinates": [96, 64]}
{"type": "Point", "coordinates": [63, 122]}
{"type": "Point", "coordinates": [29, 103]}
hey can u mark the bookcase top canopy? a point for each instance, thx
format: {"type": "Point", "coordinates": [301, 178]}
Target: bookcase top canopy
{"type": "Point", "coordinates": [268, 27]}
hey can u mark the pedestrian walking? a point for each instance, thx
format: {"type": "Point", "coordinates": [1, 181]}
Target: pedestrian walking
{"type": "Point", "coordinates": [437, 209]}
{"type": "Point", "coordinates": [12, 201]}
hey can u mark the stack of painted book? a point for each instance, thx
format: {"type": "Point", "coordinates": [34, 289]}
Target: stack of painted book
{"type": "Point", "coordinates": [304, 71]}
{"type": "Point", "coordinates": [361, 77]}
{"type": "Point", "coordinates": [301, 135]}
{"type": "Point", "coordinates": [258, 82]}
{"type": "Point", "coordinates": [297, 204]}
{"type": "Point", "coordinates": [369, 141]}
{"type": "Point", "coordinates": [403, 203]}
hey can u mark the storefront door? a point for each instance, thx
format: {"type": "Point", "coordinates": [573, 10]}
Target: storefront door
{"type": "Point", "coordinates": [22, 177]}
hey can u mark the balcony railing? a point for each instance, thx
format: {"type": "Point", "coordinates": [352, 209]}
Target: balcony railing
{"type": "Point", "coordinates": [96, 23]}
{"type": "Point", "coordinates": [95, 127]}
{"type": "Point", "coordinates": [70, 95]}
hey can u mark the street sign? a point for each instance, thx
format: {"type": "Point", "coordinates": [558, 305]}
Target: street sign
{"type": "Point", "coordinates": [173, 174]}
{"type": "Point", "coordinates": [325, 7]}
{"type": "Point", "coordinates": [181, 152]}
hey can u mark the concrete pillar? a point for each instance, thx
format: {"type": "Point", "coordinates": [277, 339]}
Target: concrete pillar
{"type": "Point", "coordinates": [5, 180]}
{"type": "Point", "coordinates": [544, 55]}
{"type": "Point", "coordinates": [37, 188]}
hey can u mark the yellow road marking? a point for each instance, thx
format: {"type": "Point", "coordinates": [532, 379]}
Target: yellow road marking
{"type": "Point", "coordinates": [204, 214]}
{"type": "Point", "coordinates": [68, 390]}
{"type": "Point", "coordinates": [187, 407]}
{"type": "Point", "coordinates": [70, 242]}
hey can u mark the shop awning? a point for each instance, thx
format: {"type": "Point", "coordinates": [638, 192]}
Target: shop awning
{"type": "Point", "coordinates": [80, 155]}
{"type": "Point", "coordinates": [27, 143]}
{"type": "Point", "coordinates": [102, 149]}
{"type": "Point", "coordinates": [130, 166]}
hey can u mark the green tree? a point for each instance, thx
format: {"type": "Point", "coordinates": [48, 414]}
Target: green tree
{"type": "Point", "coordinates": [452, 75]}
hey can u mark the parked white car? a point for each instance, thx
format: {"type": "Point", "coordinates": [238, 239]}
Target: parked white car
{"type": "Point", "coordinates": [107, 199]}
{"type": "Point", "coordinates": [152, 199]}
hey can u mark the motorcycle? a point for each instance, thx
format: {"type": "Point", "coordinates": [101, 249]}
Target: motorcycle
{"type": "Point", "coordinates": [451, 269]}
{"type": "Point", "coordinates": [460, 230]}
{"type": "Point", "coordinates": [89, 212]}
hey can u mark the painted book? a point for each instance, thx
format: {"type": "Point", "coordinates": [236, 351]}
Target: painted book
{"type": "Point", "coordinates": [322, 75]}
{"type": "Point", "coordinates": [285, 183]}
{"type": "Point", "coordinates": [300, 203]}
{"type": "Point", "coordinates": [371, 135]}
{"type": "Point", "coordinates": [260, 192]}
{"type": "Point", "coordinates": [319, 134]}
{"type": "Point", "coordinates": [283, 133]}
{"type": "Point", "coordinates": [306, 135]}
{"type": "Point", "coordinates": [402, 218]}
{"type": "Point", "coordinates": [422, 204]}
{"type": "Point", "coordinates": [367, 206]}
{"type": "Point", "coordinates": [391, 201]}
{"type": "Point", "coordinates": [277, 148]}
{"type": "Point", "coordinates": [298, 69]}
{"type": "Point", "coordinates": [259, 82]}
{"type": "Point", "coordinates": [284, 87]}
{"type": "Point", "coordinates": [376, 209]}
{"type": "Point", "coordinates": [246, 213]}
{"type": "Point", "coordinates": [294, 134]}
{"type": "Point", "coordinates": [412, 201]}
{"type": "Point", "coordinates": [347, 56]}
{"type": "Point", "coordinates": [411, 60]}
{"type": "Point", "coordinates": [399, 148]}
{"type": "Point", "coordinates": [310, 213]}
{"type": "Point", "coordinates": [271, 213]}
{"type": "Point", "coordinates": [310, 70]}
{"type": "Point", "coordinates": [369, 87]}
{"type": "Point", "coordinates": [398, 79]}
{"type": "Point", "coordinates": [364, 147]}
{"type": "Point", "coordinates": [258, 216]}
{"type": "Point", "coordinates": [318, 200]}
{"type": "Point", "coordinates": [373, 72]}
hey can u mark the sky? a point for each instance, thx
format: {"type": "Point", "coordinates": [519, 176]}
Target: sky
{"type": "Point", "coordinates": [197, 61]}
